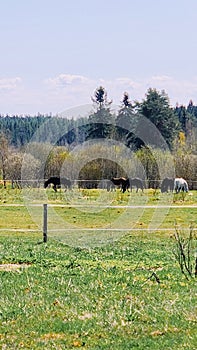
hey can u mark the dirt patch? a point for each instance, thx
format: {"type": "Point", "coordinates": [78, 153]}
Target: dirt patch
{"type": "Point", "coordinates": [12, 267]}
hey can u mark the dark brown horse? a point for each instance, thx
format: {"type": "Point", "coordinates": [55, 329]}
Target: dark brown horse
{"type": "Point", "coordinates": [120, 182]}
{"type": "Point", "coordinates": [167, 184]}
{"type": "Point", "coordinates": [133, 182]}
{"type": "Point", "coordinates": [57, 182]}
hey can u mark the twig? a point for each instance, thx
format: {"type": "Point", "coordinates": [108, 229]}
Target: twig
{"type": "Point", "coordinates": [153, 274]}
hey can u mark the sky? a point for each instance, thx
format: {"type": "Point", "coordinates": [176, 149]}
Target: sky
{"type": "Point", "coordinates": [55, 53]}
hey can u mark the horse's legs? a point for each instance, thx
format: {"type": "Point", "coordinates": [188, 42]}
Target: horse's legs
{"type": "Point", "coordinates": [55, 188]}
{"type": "Point", "coordinates": [124, 187]}
{"type": "Point", "coordinates": [186, 188]}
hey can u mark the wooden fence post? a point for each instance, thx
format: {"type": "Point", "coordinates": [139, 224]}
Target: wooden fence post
{"type": "Point", "coordinates": [44, 223]}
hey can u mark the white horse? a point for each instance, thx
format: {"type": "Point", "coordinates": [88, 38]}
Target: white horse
{"type": "Point", "coordinates": [180, 184]}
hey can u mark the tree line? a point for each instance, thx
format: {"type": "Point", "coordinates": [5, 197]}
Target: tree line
{"type": "Point", "coordinates": [144, 128]}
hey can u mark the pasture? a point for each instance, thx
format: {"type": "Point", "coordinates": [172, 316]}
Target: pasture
{"type": "Point", "coordinates": [126, 294]}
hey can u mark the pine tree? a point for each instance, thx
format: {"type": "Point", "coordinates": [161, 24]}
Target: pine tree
{"type": "Point", "coordinates": [101, 121]}
{"type": "Point", "coordinates": [156, 108]}
{"type": "Point", "coordinates": [126, 124]}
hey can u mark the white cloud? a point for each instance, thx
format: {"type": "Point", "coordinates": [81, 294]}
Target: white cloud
{"type": "Point", "coordinates": [127, 82]}
{"type": "Point", "coordinates": [64, 80]}
{"type": "Point", "coordinates": [161, 78]}
{"type": "Point", "coordinates": [9, 83]}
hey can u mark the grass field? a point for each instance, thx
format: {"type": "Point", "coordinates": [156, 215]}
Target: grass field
{"type": "Point", "coordinates": [96, 209]}
{"type": "Point", "coordinates": [129, 294]}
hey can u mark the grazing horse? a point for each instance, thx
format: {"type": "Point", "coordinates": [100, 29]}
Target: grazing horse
{"type": "Point", "coordinates": [167, 183]}
{"type": "Point", "coordinates": [120, 182]}
{"type": "Point", "coordinates": [57, 182]}
{"type": "Point", "coordinates": [180, 184]}
{"type": "Point", "coordinates": [136, 182]}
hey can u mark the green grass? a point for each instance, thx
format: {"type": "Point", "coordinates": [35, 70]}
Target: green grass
{"type": "Point", "coordinates": [103, 298]}
{"type": "Point", "coordinates": [129, 294]}
{"type": "Point", "coordinates": [16, 218]}
{"type": "Point", "coordinates": [19, 218]}
{"type": "Point", "coordinates": [96, 197]}
{"type": "Point", "coordinates": [85, 209]}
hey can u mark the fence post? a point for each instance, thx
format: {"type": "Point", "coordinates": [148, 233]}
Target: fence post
{"type": "Point", "coordinates": [44, 223]}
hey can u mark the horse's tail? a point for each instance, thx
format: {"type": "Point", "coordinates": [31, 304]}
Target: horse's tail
{"type": "Point", "coordinates": [175, 185]}
{"type": "Point", "coordinates": [186, 187]}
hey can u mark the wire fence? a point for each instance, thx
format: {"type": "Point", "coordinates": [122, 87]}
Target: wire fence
{"type": "Point", "coordinates": [86, 183]}
{"type": "Point", "coordinates": [36, 217]}
{"type": "Point", "coordinates": [46, 218]}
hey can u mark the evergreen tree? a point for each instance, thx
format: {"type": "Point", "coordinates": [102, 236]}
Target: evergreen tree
{"type": "Point", "coordinates": [187, 119]}
{"type": "Point", "coordinates": [126, 116]}
{"type": "Point", "coordinates": [126, 123]}
{"type": "Point", "coordinates": [182, 116]}
{"type": "Point", "coordinates": [101, 121]}
{"type": "Point", "coordinates": [156, 108]}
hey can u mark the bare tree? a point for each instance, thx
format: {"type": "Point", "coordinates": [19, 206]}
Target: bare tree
{"type": "Point", "coordinates": [4, 152]}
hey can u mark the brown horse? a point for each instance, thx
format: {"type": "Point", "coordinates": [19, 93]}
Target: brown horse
{"type": "Point", "coordinates": [57, 182]}
{"type": "Point", "coordinates": [133, 182]}
{"type": "Point", "coordinates": [167, 184]}
{"type": "Point", "coordinates": [120, 182]}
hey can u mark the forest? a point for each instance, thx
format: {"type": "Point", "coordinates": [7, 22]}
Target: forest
{"type": "Point", "coordinates": [148, 139]}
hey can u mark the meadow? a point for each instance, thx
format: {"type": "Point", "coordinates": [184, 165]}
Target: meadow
{"type": "Point", "coordinates": [126, 293]}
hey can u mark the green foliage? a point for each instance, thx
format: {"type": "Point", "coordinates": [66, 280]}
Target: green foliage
{"type": "Point", "coordinates": [126, 123]}
{"type": "Point", "coordinates": [55, 161]}
{"type": "Point", "coordinates": [102, 120]}
{"type": "Point", "coordinates": [156, 108]}
{"type": "Point", "coordinates": [184, 159]}
{"type": "Point", "coordinates": [188, 121]}
{"type": "Point", "coordinates": [148, 158]}
{"type": "Point", "coordinates": [4, 152]}
{"type": "Point", "coordinates": [100, 98]}
{"type": "Point", "coordinates": [101, 168]}
{"type": "Point", "coordinates": [20, 129]}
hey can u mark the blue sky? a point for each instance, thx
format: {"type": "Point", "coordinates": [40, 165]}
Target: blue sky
{"type": "Point", "coordinates": [54, 54]}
